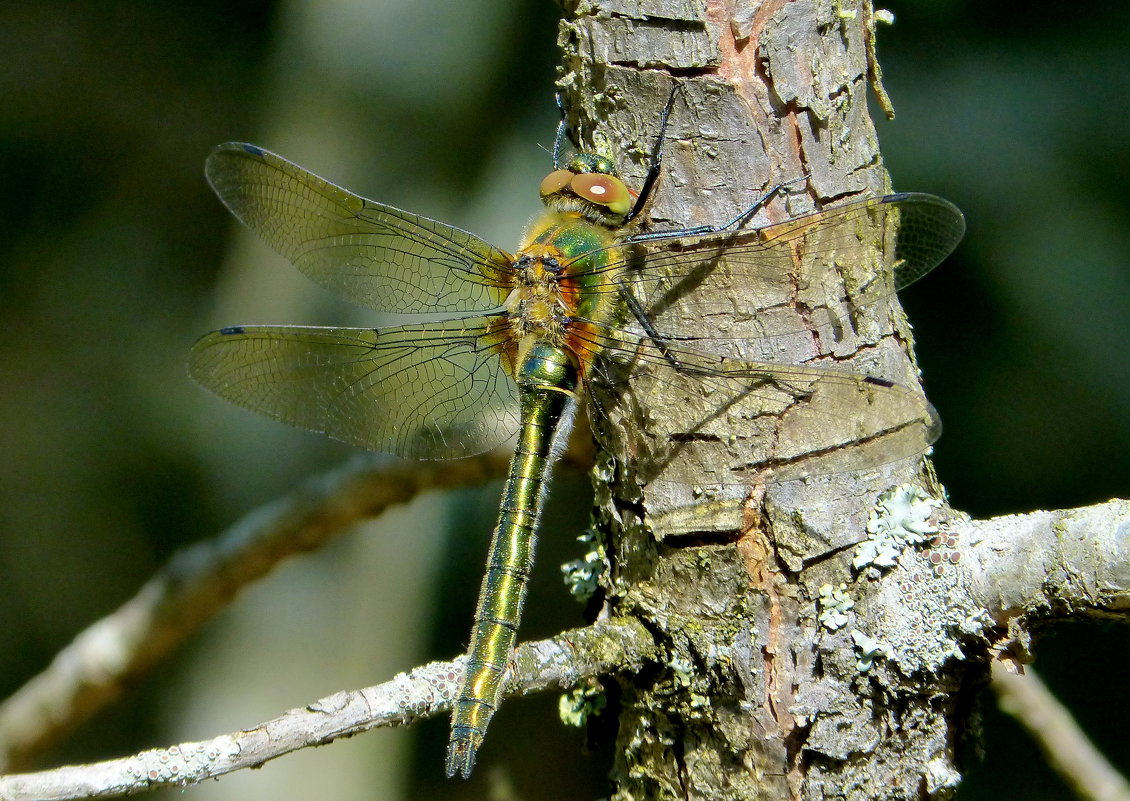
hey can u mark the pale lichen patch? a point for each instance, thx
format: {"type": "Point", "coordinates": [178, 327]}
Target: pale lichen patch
{"type": "Point", "coordinates": [834, 603]}
{"type": "Point", "coordinates": [582, 575]}
{"type": "Point", "coordinates": [579, 704]}
{"type": "Point", "coordinates": [900, 518]}
{"type": "Point", "coordinates": [868, 649]}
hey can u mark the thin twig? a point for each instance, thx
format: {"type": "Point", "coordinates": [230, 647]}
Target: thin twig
{"type": "Point", "coordinates": [559, 662]}
{"type": "Point", "coordinates": [201, 580]}
{"type": "Point", "coordinates": [1070, 752]}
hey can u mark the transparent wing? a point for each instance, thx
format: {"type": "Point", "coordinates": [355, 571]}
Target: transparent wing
{"type": "Point", "coordinates": [373, 254]}
{"type": "Point", "coordinates": [778, 421]}
{"type": "Point", "coordinates": [802, 262]}
{"type": "Point", "coordinates": [433, 391]}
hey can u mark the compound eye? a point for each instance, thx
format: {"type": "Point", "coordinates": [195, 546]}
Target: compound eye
{"type": "Point", "coordinates": [605, 190]}
{"type": "Point", "coordinates": [555, 182]}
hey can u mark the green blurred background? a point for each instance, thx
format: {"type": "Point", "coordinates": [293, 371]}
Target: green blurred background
{"type": "Point", "coordinates": [115, 257]}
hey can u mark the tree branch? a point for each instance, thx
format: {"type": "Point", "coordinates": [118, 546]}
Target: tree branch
{"type": "Point", "coordinates": [1013, 557]}
{"type": "Point", "coordinates": [1065, 563]}
{"type": "Point", "coordinates": [199, 581]}
{"type": "Point", "coordinates": [559, 662]}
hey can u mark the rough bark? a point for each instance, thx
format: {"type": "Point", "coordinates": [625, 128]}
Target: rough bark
{"type": "Point", "coordinates": [759, 696]}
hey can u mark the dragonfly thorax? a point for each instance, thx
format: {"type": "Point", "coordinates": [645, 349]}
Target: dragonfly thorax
{"type": "Point", "coordinates": [536, 306]}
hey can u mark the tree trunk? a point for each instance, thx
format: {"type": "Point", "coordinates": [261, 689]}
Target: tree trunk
{"type": "Point", "coordinates": [761, 696]}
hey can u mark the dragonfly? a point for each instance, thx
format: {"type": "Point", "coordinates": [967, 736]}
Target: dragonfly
{"type": "Point", "coordinates": [506, 344]}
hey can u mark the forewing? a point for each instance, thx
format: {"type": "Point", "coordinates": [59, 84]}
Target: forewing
{"type": "Point", "coordinates": [775, 422]}
{"type": "Point", "coordinates": [826, 266]}
{"type": "Point", "coordinates": [373, 254]}
{"type": "Point", "coordinates": [916, 231]}
{"type": "Point", "coordinates": [433, 391]}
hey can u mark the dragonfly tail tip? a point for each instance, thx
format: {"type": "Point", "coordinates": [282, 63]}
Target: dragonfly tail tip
{"type": "Point", "coordinates": [460, 758]}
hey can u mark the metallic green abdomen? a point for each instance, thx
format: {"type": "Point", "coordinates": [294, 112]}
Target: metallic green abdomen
{"type": "Point", "coordinates": [547, 379]}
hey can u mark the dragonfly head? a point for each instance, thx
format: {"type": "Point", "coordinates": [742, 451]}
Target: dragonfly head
{"type": "Point", "coordinates": [587, 184]}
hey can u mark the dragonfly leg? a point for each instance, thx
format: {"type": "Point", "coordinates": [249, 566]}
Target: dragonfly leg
{"type": "Point", "coordinates": [640, 314]}
{"type": "Point", "coordinates": [562, 131]}
{"type": "Point", "coordinates": [653, 169]}
{"type": "Point", "coordinates": [705, 230]}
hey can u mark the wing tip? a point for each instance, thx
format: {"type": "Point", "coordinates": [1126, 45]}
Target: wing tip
{"type": "Point", "coordinates": [925, 198]}
{"type": "Point", "coordinates": [239, 147]}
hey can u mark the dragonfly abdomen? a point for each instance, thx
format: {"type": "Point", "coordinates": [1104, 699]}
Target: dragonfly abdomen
{"type": "Point", "coordinates": [547, 382]}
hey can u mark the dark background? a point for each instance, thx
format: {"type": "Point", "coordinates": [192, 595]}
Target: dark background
{"type": "Point", "coordinates": [114, 259]}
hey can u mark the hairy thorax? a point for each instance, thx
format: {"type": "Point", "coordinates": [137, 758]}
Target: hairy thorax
{"type": "Point", "coordinates": [560, 284]}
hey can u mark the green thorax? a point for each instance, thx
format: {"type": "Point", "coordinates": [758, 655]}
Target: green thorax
{"type": "Point", "coordinates": [593, 262]}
